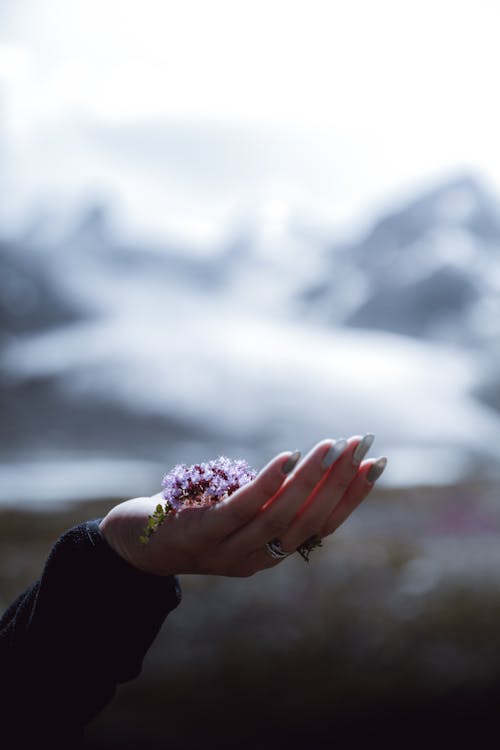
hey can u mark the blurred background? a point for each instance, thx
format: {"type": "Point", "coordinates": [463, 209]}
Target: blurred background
{"type": "Point", "coordinates": [238, 228]}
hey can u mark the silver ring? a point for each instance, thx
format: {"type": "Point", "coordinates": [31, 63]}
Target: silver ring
{"type": "Point", "coordinates": [275, 549]}
{"type": "Point", "coordinates": [306, 547]}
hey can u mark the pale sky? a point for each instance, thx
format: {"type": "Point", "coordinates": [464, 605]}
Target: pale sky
{"type": "Point", "coordinates": [377, 96]}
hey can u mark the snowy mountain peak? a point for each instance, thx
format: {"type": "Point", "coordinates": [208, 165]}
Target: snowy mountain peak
{"type": "Point", "coordinates": [459, 203]}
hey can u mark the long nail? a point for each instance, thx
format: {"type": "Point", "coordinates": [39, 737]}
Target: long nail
{"type": "Point", "coordinates": [376, 469]}
{"type": "Point", "coordinates": [334, 452]}
{"type": "Point", "coordinates": [362, 449]}
{"type": "Point", "coordinates": [291, 462]}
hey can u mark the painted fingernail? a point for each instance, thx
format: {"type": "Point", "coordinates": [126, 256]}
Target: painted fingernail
{"type": "Point", "coordinates": [334, 452]}
{"type": "Point", "coordinates": [377, 469]}
{"type": "Point", "coordinates": [291, 462]}
{"type": "Point", "coordinates": [362, 449]}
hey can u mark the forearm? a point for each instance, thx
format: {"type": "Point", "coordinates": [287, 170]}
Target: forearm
{"type": "Point", "coordinates": [77, 633]}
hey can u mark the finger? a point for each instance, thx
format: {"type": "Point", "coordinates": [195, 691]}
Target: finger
{"type": "Point", "coordinates": [327, 495]}
{"type": "Point", "coordinates": [242, 506]}
{"type": "Point", "coordinates": [311, 516]}
{"type": "Point", "coordinates": [357, 491]}
{"type": "Point", "coordinates": [275, 517]}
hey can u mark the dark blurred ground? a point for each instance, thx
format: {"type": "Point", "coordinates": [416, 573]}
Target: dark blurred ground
{"type": "Point", "coordinates": [390, 635]}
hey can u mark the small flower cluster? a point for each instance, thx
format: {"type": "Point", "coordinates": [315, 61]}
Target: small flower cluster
{"type": "Point", "coordinates": [198, 486]}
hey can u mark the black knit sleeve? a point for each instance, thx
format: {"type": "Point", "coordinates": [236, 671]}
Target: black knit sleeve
{"type": "Point", "coordinates": [74, 635]}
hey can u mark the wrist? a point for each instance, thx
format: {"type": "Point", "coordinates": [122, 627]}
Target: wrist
{"type": "Point", "coordinates": [121, 530]}
{"type": "Point", "coordinates": [109, 532]}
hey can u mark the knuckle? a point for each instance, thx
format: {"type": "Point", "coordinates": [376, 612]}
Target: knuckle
{"type": "Point", "coordinates": [239, 514]}
{"type": "Point", "coordinates": [307, 532]}
{"type": "Point", "coordinates": [308, 482]}
{"type": "Point", "coordinates": [234, 511]}
{"type": "Point", "coordinates": [344, 482]}
{"type": "Point", "coordinates": [267, 485]}
{"type": "Point", "coordinates": [275, 527]}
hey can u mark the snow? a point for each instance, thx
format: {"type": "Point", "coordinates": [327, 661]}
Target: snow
{"type": "Point", "coordinates": [239, 354]}
{"type": "Point", "coordinates": [298, 382]}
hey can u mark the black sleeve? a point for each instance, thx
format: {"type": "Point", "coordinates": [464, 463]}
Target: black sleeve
{"type": "Point", "coordinates": [74, 635]}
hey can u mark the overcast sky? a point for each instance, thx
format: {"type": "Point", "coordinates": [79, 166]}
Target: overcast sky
{"type": "Point", "coordinates": [342, 105]}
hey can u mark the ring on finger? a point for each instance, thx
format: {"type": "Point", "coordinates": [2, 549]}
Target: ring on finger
{"type": "Point", "coordinates": [275, 549]}
{"type": "Point", "coordinates": [306, 547]}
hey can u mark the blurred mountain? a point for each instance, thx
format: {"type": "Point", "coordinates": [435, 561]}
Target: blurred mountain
{"type": "Point", "coordinates": [273, 337]}
{"type": "Point", "coordinates": [30, 298]}
{"type": "Point", "coordinates": [430, 269]}
{"type": "Point", "coordinates": [462, 203]}
{"type": "Point", "coordinates": [419, 307]}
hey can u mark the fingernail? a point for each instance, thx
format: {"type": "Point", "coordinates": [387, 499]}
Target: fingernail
{"type": "Point", "coordinates": [376, 470]}
{"type": "Point", "coordinates": [291, 462]}
{"type": "Point", "coordinates": [334, 452]}
{"type": "Point", "coordinates": [362, 449]}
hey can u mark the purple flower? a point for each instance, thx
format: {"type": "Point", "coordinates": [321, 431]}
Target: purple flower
{"type": "Point", "coordinates": [205, 483]}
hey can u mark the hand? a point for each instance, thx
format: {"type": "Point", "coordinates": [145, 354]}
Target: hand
{"type": "Point", "coordinates": [229, 538]}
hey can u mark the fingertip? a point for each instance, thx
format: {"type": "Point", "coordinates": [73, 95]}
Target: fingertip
{"type": "Point", "coordinates": [273, 475]}
{"type": "Point", "coordinates": [252, 498]}
{"type": "Point", "coordinates": [291, 462]}
{"type": "Point", "coordinates": [374, 469]}
{"type": "Point", "coordinates": [282, 464]}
